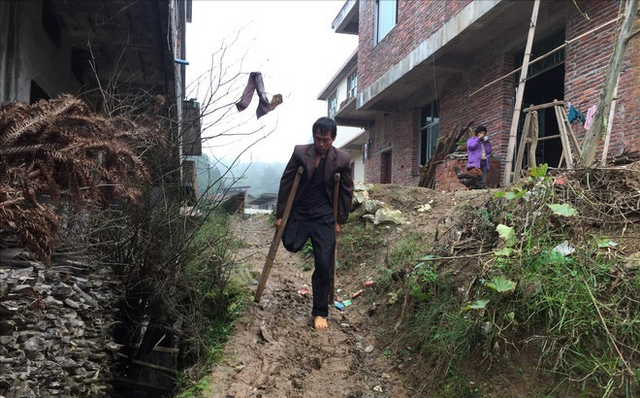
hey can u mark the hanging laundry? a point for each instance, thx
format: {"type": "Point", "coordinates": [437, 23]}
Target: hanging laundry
{"type": "Point", "coordinates": [589, 119]}
{"type": "Point", "coordinates": [575, 114]}
{"type": "Point", "coordinates": [256, 84]}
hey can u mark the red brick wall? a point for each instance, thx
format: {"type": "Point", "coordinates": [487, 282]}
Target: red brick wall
{"type": "Point", "coordinates": [491, 107]}
{"type": "Point", "coordinates": [397, 132]}
{"type": "Point", "coordinates": [403, 38]}
{"type": "Point", "coordinates": [446, 179]}
{"type": "Point", "coordinates": [586, 66]}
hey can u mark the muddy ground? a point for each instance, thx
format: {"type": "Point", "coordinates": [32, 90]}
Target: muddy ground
{"type": "Point", "coordinates": [275, 352]}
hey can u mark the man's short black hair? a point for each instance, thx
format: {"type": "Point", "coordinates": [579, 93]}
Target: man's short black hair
{"type": "Point", "coordinates": [325, 125]}
{"type": "Point", "coordinates": [480, 129]}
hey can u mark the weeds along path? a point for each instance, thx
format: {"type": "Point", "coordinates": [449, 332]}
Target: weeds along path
{"type": "Point", "coordinates": [275, 352]}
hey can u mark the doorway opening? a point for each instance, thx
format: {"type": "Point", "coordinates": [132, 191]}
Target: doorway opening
{"type": "Point", "coordinates": [545, 84]}
{"type": "Point", "coordinates": [542, 89]}
{"type": "Point", "coordinates": [385, 167]}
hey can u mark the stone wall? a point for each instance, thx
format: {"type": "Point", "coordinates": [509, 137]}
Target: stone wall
{"type": "Point", "coordinates": [55, 324]}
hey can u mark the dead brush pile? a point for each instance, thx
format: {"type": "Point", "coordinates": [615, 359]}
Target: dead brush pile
{"type": "Point", "coordinates": [56, 152]}
{"type": "Point", "coordinates": [543, 277]}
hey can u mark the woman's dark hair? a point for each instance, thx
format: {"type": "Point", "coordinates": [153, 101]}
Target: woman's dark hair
{"type": "Point", "coordinates": [480, 129]}
{"type": "Point", "coordinates": [325, 125]}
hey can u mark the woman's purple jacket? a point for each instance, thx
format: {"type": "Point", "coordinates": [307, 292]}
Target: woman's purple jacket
{"type": "Point", "coordinates": [475, 153]}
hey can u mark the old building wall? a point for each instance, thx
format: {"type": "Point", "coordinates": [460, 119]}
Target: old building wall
{"type": "Point", "coordinates": [395, 132]}
{"type": "Point", "coordinates": [491, 107]}
{"type": "Point", "coordinates": [403, 38]}
{"type": "Point", "coordinates": [28, 52]}
{"type": "Point", "coordinates": [586, 67]}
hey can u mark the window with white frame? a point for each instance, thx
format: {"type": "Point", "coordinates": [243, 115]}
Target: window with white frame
{"type": "Point", "coordinates": [429, 129]}
{"type": "Point", "coordinates": [333, 105]}
{"type": "Point", "coordinates": [352, 85]}
{"type": "Point", "coordinates": [386, 17]}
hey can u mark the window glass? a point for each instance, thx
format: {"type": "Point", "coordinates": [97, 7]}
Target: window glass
{"type": "Point", "coordinates": [386, 17]}
{"type": "Point", "coordinates": [333, 105]}
{"type": "Point", "coordinates": [429, 131]}
{"type": "Point", "coordinates": [352, 83]}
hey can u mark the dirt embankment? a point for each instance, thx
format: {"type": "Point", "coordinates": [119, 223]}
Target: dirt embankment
{"type": "Point", "coordinates": [383, 344]}
{"type": "Point", "coordinates": [276, 353]}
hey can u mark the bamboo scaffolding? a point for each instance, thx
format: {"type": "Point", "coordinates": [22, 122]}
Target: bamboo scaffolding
{"type": "Point", "coordinates": [543, 56]}
{"type": "Point", "coordinates": [506, 179]}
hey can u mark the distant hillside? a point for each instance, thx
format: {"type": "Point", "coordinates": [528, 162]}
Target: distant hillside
{"type": "Point", "coordinates": [261, 177]}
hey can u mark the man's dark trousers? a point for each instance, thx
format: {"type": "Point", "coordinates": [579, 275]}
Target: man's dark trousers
{"type": "Point", "coordinates": [322, 233]}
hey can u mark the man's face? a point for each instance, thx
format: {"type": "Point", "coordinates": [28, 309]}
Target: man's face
{"type": "Point", "coordinates": [322, 142]}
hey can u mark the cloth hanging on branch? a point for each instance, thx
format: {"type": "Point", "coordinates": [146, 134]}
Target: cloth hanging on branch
{"type": "Point", "coordinates": [589, 119]}
{"type": "Point", "coordinates": [575, 114]}
{"type": "Point", "coordinates": [255, 84]}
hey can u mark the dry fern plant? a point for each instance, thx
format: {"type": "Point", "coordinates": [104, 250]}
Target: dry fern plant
{"type": "Point", "coordinates": [59, 151]}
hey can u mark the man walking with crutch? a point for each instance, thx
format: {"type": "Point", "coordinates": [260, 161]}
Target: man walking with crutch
{"type": "Point", "coordinates": [312, 213]}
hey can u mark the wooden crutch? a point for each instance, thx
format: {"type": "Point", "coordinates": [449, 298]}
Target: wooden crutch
{"type": "Point", "coordinates": [275, 243]}
{"type": "Point", "coordinates": [336, 192]}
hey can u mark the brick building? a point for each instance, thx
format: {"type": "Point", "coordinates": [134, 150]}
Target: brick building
{"type": "Point", "coordinates": [424, 67]}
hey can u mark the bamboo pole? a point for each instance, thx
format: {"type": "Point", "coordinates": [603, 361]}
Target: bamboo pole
{"type": "Point", "coordinates": [607, 137]}
{"type": "Point", "coordinates": [535, 133]}
{"type": "Point", "coordinates": [336, 194]}
{"type": "Point", "coordinates": [524, 139]}
{"type": "Point", "coordinates": [506, 180]}
{"type": "Point", "coordinates": [275, 243]}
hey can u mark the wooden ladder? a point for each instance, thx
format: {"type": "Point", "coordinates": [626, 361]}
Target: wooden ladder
{"type": "Point", "coordinates": [531, 136]}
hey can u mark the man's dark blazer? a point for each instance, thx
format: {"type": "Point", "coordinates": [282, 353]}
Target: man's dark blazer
{"type": "Point", "coordinates": [337, 161]}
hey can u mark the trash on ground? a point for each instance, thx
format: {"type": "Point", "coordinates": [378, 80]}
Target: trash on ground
{"type": "Point", "coordinates": [377, 388]}
{"type": "Point", "coordinates": [304, 290]}
{"type": "Point", "coordinates": [368, 349]}
{"type": "Point", "coordinates": [356, 294]}
{"type": "Point", "coordinates": [368, 283]}
{"type": "Point", "coordinates": [346, 303]}
{"type": "Point", "coordinates": [338, 305]}
{"type": "Point", "coordinates": [564, 248]}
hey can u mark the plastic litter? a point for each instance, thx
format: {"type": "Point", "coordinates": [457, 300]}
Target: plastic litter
{"type": "Point", "coordinates": [368, 283]}
{"type": "Point", "coordinates": [356, 294]}
{"type": "Point", "coordinates": [346, 303]}
{"type": "Point", "coordinates": [304, 290]}
{"type": "Point", "coordinates": [338, 305]}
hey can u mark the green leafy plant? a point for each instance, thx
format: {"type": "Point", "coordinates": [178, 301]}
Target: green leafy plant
{"type": "Point", "coordinates": [501, 284]}
{"type": "Point", "coordinates": [478, 305]}
{"type": "Point", "coordinates": [564, 210]}
{"type": "Point", "coordinates": [506, 234]}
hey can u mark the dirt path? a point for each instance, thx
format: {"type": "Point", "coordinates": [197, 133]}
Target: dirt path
{"type": "Point", "coordinates": [275, 352]}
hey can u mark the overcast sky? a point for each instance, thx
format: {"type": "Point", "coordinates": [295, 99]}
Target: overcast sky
{"type": "Point", "coordinates": [292, 44]}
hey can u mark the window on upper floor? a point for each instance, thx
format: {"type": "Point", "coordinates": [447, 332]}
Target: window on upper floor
{"type": "Point", "coordinates": [352, 85]}
{"type": "Point", "coordinates": [386, 17]}
{"type": "Point", "coordinates": [429, 129]}
{"type": "Point", "coordinates": [333, 105]}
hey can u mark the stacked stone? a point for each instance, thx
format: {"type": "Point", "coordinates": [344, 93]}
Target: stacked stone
{"type": "Point", "coordinates": [55, 326]}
